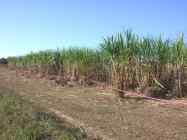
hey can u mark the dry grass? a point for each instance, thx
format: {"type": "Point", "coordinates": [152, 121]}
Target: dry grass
{"type": "Point", "coordinates": [21, 120]}
{"type": "Point", "coordinates": [118, 120]}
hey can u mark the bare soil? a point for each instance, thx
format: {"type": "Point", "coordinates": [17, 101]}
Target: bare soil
{"type": "Point", "coordinates": [101, 112]}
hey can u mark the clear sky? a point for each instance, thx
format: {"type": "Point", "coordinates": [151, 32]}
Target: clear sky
{"type": "Point", "coordinates": [32, 25]}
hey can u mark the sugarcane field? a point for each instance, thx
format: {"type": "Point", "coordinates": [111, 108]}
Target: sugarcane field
{"type": "Point", "coordinates": [129, 86]}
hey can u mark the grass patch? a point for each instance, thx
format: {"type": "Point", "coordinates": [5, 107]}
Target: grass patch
{"type": "Point", "coordinates": [21, 120]}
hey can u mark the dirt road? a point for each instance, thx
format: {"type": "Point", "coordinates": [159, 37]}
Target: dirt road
{"type": "Point", "coordinates": [101, 113]}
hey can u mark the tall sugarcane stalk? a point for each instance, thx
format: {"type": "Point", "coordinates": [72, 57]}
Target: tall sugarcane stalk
{"type": "Point", "coordinates": [125, 61]}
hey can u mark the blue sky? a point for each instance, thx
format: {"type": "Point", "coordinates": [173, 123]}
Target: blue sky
{"type": "Point", "coordinates": [33, 25]}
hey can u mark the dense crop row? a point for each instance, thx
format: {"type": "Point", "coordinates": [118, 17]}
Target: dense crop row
{"type": "Point", "coordinates": [125, 61]}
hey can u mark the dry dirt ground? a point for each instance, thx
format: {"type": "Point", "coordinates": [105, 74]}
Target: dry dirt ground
{"type": "Point", "coordinates": [102, 113]}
